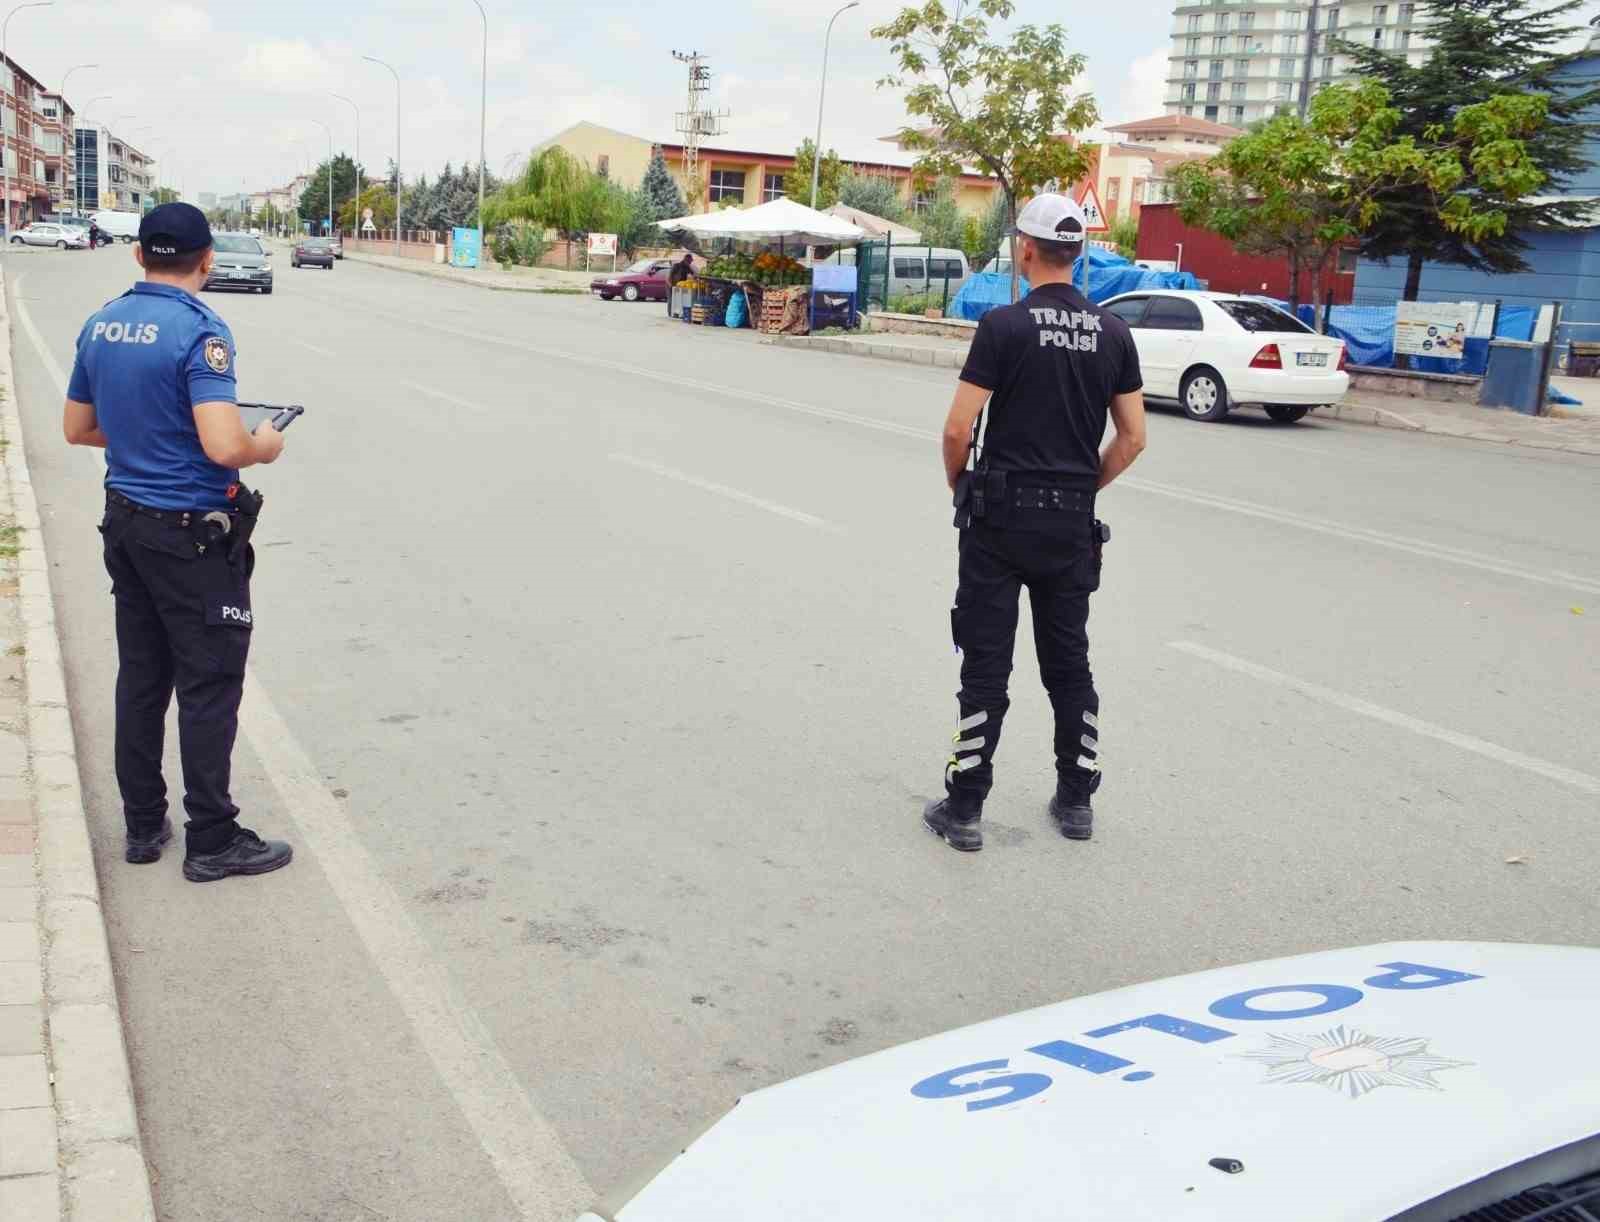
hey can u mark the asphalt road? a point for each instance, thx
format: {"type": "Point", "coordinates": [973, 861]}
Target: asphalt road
{"type": "Point", "coordinates": [602, 667]}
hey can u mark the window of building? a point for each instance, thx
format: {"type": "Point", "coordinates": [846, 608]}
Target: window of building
{"type": "Point", "coordinates": [772, 188]}
{"type": "Point", "coordinates": [1380, 14]}
{"type": "Point", "coordinates": [1407, 12]}
{"type": "Point", "coordinates": [602, 165]}
{"type": "Point", "coordinates": [1239, 88]}
{"type": "Point", "coordinates": [1189, 110]}
{"type": "Point", "coordinates": [1191, 69]}
{"type": "Point", "coordinates": [11, 159]}
{"type": "Point", "coordinates": [1213, 91]}
{"type": "Point", "coordinates": [925, 198]}
{"type": "Point", "coordinates": [1377, 40]}
{"type": "Point", "coordinates": [1288, 67]}
{"type": "Point", "coordinates": [1284, 91]}
{"type": "Point", "coordinates": [1290, 44]}
{"type": "Point", "coordinates": [1224, 22]}
{"type": "Point", "coordinates": [1211, 113]}
{"type": "Point", "coordinates": [1405, 40]}
{"type": "Point", "coordinates": [1327, 66]}
{"type": "Point", "coordinates": [1241, 67]}
{"type": "Point", "coordinates": [1219, 45]}
{"type": "Point", "coordinates": [1333, 19]}
{"type": "Point", "coordinates": [38, 133]}
{"type": "Point", "coordinates": [1247, 21]}
{"type": "Point", "coordinates": [1113, 190]}
{"type": "Point", "coordinates": [1191, 46]}
{"type": "Point", "coordinates": [48, 110]}
{"type": "Point", "coordinates": [38, 170]}
{"type": "Point", "coordinates": [1188, 92]}
{"type": "Point", "coordinates": [1215, 70]}
{"type": "Point", "coordinates": [1238, 115]}
{"type": "Point", "coordinates": [727, 184]}
{"type": "Point", "coordinates": [1294, 19]}
{"type": "Point", "coordinates": [1194, 23]}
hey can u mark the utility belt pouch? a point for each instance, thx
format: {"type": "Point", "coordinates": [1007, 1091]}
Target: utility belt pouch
{"type": "Point", "coordinates": [963, 500]}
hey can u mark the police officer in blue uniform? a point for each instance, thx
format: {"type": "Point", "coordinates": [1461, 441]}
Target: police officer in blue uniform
{"type": "Point", "coordinates": [153, 384]}
{"type": "Point", "coordinates": [1050, 369]}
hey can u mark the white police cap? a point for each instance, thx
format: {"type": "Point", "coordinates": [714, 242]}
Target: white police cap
{"type": "Point", "coordinates": [1052, 218]}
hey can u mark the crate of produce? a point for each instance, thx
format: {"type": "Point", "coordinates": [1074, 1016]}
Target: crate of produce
{"type": "Point", "coordinates": [783, 311]}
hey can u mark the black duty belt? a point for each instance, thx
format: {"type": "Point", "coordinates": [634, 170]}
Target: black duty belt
{"type": "Point", "coordinates": [177, 517]}
{"type": "Point", "coordinates": [1052, 499]}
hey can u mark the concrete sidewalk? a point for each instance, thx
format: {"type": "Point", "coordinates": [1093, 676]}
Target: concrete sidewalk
{"type": "Point", "coordinates": [1573, 430]}
{"type": "Point", "coordinates": [512, 280]}
{"type": "Point", "coordinates": [69, 1136]}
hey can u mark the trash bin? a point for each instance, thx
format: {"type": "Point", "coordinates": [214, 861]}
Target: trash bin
{"type": "Point", "coordinates": [1514, 377]}
{"type": "Point", "coordinates": [1583, 359]}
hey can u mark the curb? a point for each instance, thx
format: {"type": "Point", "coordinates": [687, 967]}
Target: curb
{"type": "Point", "coordinates": [1350, 413]}
{"type": "Point", "coordinates": [101, 1167]}
{"type": "Point", "coordinates": [548, 291]}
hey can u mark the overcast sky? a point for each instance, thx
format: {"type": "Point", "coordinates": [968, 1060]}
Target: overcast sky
{"type": "Point", "coordinates": [230, 93]}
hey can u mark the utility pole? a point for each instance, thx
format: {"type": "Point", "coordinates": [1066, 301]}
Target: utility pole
{"type": "Point", "coordinates": [399, 178]}
{"type": "Point", "coordinates": [1311, 55]}
{"type": "Point", "coordinates": [696, 123]}
{"type": "Point", "coordinates": [483, 125]}
{"type": "Point", "coordinates": [355, 221]}
{"type": "Point", "coordinates": [822, 92]}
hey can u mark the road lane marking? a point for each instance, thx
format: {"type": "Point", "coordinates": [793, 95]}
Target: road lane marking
{"type": "Point", "coordinates": [1357, 534]}
{"type": "Point", "coordinates": [46, 357]}
{"type": "Point", "coordinates": [524, 1148]}
{"type": "Point", "coordinates": [1366, 708]}
{"type": "Point", "coordinates": [733, 494]}
{"type": "Point", "coordinates": [323, 352]}
{"type": "Point", "coordinates": [442, 396]}
{"type": "Point", "coordinates": [1361, 534]}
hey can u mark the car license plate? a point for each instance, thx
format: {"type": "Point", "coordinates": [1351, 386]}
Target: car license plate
{"type": "Point", "coordinates": [239, 274]}
{"type": "Point", "coordinates": [1317, 359]}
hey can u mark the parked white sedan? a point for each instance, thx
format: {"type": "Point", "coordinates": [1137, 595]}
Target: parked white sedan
{"type": "Point", "coordinates": [1214, 351]}
{"type": "Point", "coordinates": [42, 233]}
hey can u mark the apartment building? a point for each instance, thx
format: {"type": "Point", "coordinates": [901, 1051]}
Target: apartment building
{"type": "Point", "coordinates": [53, 140]}
{"type": "Point", "coordinates": [1238, 61]}
{"type": "Point", "coordinates": [114, 174]}
{"type": "Point", "coordinates": [32, 146]}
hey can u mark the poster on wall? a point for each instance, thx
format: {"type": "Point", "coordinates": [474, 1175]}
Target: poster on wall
{"type": "Point", "coordinates": [1434, 328]}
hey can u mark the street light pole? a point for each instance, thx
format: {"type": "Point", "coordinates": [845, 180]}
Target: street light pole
{"type": "Point", "coordinates": [399, 179]}
{"type": "Point", "coordinates": [355, 221]}
{"type": "Point", "coordinates": [822, 92]}
{"type": "Point", "coordinates": [61, 121]}
{"type": "Point", "coordinates": [5, 58]}
{"type": "Point", "coordinates": [483, 124]}
{"type": "Point", "coordinates": [329, 130]}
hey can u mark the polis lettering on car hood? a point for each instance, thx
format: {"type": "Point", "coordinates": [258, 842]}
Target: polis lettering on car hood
{"type": "Point", "coordinates": [1349, 1084]}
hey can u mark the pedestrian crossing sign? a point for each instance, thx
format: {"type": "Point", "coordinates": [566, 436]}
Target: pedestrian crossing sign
{"type": "Point", "coordinates": [1094, 216]}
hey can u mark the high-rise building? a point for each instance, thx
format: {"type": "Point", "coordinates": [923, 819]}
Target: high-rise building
{"type": "Point", "coordinates": [1237, 61]}
{"type": "Point", "coordinates": [114, 175]}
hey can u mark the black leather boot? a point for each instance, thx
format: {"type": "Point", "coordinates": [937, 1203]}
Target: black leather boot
{"type": "Point", "coordinates": [246, 853]}
{"type": "Point", "coordinates": [955, 820]}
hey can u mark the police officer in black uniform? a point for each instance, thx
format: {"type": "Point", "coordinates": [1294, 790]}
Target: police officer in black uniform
{"type": "Point", "coordinates": [153, 384]}
{"type": "Point", "coordinates": [1051, 368]}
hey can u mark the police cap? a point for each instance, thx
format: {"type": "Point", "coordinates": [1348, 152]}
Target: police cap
{"type": "Point", "coordinates": [174, 229]}
{"type": "Point", "coordinates": [1052, 218]}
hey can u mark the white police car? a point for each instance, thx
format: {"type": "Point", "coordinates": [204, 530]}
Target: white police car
{"type": "Point", "coordinates": [1426, 1082]}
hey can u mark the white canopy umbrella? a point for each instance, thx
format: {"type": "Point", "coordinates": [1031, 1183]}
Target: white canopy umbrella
{"type": "Point", "coordinates": [778, 219]}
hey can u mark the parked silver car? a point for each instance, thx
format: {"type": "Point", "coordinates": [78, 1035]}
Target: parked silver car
{"type": "Point", "coordinates": [48, 233]}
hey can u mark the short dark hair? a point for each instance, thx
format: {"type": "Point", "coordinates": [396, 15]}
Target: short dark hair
{"type": "Point", "coordinates": [185, 264]}
{"type": "Point", "coordinates": [1055, 254]}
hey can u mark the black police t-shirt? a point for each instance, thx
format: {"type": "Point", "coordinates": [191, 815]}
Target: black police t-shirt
{"type": "Point", "coordinates": [1054, 362]}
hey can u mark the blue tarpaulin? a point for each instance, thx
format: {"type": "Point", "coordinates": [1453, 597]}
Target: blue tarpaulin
{"type": "Point", "coordinates": [1109, 275]}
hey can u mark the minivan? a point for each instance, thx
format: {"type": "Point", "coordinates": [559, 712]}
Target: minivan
{"type": "Point", "coordinates": [913, 270]}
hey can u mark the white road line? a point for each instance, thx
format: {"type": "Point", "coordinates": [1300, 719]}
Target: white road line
{"type": "Point", "coordinates": [527, 1154]}
{"type": "Point", "coordinates": [323, 352]}
{"type": "Point", "coordinates": [525, 1149]}
{"type": "Point", "coordinates": [1361, 534]}
{"type": "Point", "coordinates": [46, 357]}
{"type": "Point", "coordinates": [1358, 534]}
{"type": "Point", "coordinates": [733, 494]}
{"type": "Point", "coordinates": [442, 396]}
{"type": "Point", "coordinates": [1355, 704]}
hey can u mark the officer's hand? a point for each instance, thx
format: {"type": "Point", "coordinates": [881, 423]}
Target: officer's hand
{"type": "Point", "coordinates": [268, 441]}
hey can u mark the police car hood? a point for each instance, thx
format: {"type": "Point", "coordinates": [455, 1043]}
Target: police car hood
{"type": "Point", "coordinates": [1350, 1084]}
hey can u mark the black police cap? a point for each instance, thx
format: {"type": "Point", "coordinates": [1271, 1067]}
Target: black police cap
{"type": "Point", "coordinates": [174, 229]}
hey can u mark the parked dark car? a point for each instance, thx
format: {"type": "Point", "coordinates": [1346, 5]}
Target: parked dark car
{"type": "Point", "coordinates": [313, 252]}
{"type": "Point", "coordinates": [241, 263]}
{"type": "Point", "coordinates": [645, 280]}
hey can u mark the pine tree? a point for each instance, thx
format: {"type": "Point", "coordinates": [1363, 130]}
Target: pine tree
{"type": "Point", "coordinates": [660, 190]}
{"type": "Point", "coordinates": [1481, 48]}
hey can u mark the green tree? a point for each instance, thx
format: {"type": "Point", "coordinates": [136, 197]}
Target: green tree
{"type": "Point", "coordinates": [1125, 235]}
{"type": "Point", "coordinates": [165, 195]}
{"type": "Point", "coordinates": [661, 190]}
{"type": "Point", "coordinates": [554, 191]}
{"type": "Point", "coordinates": [314, 199]}
{"type": "Point", "coordinates": [1304, 187]}
{"type": "Point", "coordinates": [941, 222]}
{"type": "Point", "coordinates": [376, 196]}
{"type": "Point", "coordinates": [1002, 106]}
{"type": "Point", "coordinates": [994, 229]}
{"type": "Point", "coordinates": [1480, 49]}
{"type": "Point", "coordinates": [797, 182]}
{"type": "Point", "coordinates": [874, 193]}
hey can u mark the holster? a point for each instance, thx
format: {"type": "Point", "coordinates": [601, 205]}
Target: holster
{"type": "Point", "coordinates": [980, 496]}
{"type": "Point", "coordinates": [246, 510]}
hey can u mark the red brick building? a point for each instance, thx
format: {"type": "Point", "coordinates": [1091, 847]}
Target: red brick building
{"type": "Point", "coordinates": [37, 127]}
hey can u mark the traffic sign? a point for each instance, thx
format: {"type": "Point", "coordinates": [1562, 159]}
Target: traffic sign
{"type": "Point", "coordinates": [1093, 214]}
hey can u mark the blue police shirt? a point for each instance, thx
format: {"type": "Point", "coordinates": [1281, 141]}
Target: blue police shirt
{"type": "Point", "coordinates": [144, 361]}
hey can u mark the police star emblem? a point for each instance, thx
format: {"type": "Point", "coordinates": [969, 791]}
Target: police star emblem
{"type": "Point", "coordinates": [1351, 1062]}
{"type": "Point", "coordinates": [217, 354]}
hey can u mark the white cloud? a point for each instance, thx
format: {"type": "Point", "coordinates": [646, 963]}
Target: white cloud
{"type": "Point", "coordinates": [287, 66]}
{"type": "Point", "coordinates": [178, 24]}
{"type": "Point", "coordinates": [623, 33]}
{"type": "Point", "coordinates": [1144, 90]}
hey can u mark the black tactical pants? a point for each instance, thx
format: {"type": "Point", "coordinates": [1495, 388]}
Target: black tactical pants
{"type": "Point", "coordinates": [1060, 571]}
{"type": "Point", "coordinates": [183, 623]}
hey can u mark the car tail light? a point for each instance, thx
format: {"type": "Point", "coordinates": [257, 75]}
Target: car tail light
{"type": "Point", "coordinates": [1344, 357]}
{"type": "Point", "coordinates": [1267, 358]}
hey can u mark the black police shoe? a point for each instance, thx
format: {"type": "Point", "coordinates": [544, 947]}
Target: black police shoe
{"type": "Point", "coordinates": [956, 822]}
{"type": "Point", "coordinates": [246, 854]}
{"type": "Point", "coordinates": [1073, 815]}
{"type": "Point", "coordinates": [142, 850]}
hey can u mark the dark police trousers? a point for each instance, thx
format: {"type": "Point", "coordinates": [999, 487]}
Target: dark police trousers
{"type": "Point", "coordinates": [1060, 571]}
{"type": "Point", "coordinates": [183, 622]}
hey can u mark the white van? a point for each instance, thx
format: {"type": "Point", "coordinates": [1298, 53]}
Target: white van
{"type": "Point", "coordinates": [914, 269]}
{"type": "Point", "coordinates": [124, 226]}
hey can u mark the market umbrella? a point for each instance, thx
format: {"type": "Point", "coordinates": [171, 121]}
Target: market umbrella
{"type": "Point", "coordinates": [779, 219]}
